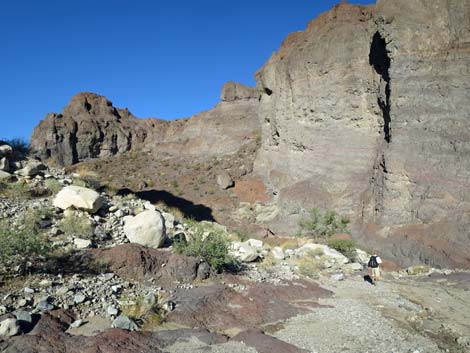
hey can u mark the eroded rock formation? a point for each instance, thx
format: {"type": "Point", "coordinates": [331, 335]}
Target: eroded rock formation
{"type": "Point", "coordinates": [364, 112]}
{"type": "Point", "coordinates": [91, 127]}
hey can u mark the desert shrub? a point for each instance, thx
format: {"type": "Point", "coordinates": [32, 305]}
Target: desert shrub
{"type": "Point", "coordinates": [211, 246]}
{"type": "Point", "coordinates": [20, 245]}
{"type": "Point", "coordinates": [87, 180]}
{"type": "Point", "coordinates": [17, 190]}
{"type": "Point", "coordinates": [309, 266]}
{"type": "Point", "coordinates": [346, 247]}
{"type": "Point", "coordinates": [33, 216]}
{"type": "Point", "coordinates": [75, 225]}
{"type": "Point", "coordinates": [53, 185]}
{"type": "Point", "coordinates": [323, 225]}
{"type": "Point", "coordinates": [144, 310]}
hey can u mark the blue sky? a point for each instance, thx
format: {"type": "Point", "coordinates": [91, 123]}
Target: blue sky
{"type": "Point", "coordinates": [165, 59]}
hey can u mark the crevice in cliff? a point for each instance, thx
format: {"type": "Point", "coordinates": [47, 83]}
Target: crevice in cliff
{"type": "Point", "coordinates": [380, 60]}
{"type": "Point", "coordinates": [73, 143]}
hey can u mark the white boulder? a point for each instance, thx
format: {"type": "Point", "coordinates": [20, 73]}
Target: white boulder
{"type": "Point", "coordinates": [78, 197]}
{"type": "Point", "coordinates": [5, 150]}
{"type": "Point", "coordinates": [278, 253]}
{"type": "Point", "coordinates": [147, 228]}
{"type": "Point", "coordinates": [32, 168]}
{"type": "Point", "coordinates": [323, 250]}
{"type": "Point", "coordinates": [4, 164]}
{"type": "Point", "coordinates": [243, 252]}
{"type": "Point", "coordinates": [255, 243]}
{"type": "Point", "coordinates": [82, 243]}
{"type": "Point", "coordinates": [9, 327]}
{"type": "Point", "coordinates": [362, 256]}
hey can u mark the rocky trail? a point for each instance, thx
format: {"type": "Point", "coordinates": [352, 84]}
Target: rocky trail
{"type": "Point", "coordinates": [114, 282]}
{"type": "Point", "coordinates": [419, 314]}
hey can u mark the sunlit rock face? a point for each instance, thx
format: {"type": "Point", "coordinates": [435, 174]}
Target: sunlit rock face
{"type": "Point", "coordinates": [91, 127]}
{"type": "Point", "coordinates": [366, 112]}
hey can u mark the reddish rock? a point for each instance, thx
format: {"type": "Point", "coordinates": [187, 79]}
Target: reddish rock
{"type": "Point", "coordinates": [265, 344]}
{"type": "Point", "coordinates": [136, 262]}
{"type": "Point", "coordinates": [218, 307]}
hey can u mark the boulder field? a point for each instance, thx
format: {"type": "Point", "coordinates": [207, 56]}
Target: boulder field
{"type": "Point", "coordinates": [364, 112]}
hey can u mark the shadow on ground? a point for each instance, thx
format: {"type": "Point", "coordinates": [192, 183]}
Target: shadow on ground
{"type": "Point", "coordinates": [188, 208]}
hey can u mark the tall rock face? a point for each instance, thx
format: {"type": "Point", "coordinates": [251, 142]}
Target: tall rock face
{"type": "Point", "coordinates": [90, 127]}
{"type": "Point", "coordinates": [366, 112]}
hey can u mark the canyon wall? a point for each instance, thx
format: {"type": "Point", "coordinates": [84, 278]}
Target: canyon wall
{"type": "Point", "coordinates": [366, 112]}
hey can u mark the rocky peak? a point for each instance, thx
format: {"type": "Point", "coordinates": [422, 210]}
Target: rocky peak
{"type": "Point", "coordinates": [233, 91]}
{"type": "Point", "coordinates": [87, 103]}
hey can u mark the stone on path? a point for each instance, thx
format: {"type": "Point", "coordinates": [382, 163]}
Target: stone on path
{"type": "Point", "coordinates": [124, 323]}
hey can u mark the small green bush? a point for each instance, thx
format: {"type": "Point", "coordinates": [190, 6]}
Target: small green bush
{"type": "Point", "coordinates": [75, 225]}
{"type": "Point", "coordinates": [15, 190]}
{"type": "Point", "coordinates": [344, 246]}
{"type": "Point", "coordinates": [212, 247]}
{"type": "Point", "coordinates": [20, 245]}
{"type": "Point", "coordinates": [53, 185]}
{"type": "Point", "coordinates": [323, 225]}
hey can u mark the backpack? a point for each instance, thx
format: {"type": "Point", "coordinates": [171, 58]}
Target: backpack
{"type": "Point", "coordinates": [373, 262]}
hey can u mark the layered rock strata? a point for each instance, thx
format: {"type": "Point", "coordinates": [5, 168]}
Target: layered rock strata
{"type": "Point", "coordinates": [365, 112]}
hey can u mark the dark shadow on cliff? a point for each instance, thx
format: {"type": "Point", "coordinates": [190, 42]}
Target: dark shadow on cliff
{"type": "Point", "coordinates": [188, 208]}
{"type": "Point", "coordinates": [379, 58]}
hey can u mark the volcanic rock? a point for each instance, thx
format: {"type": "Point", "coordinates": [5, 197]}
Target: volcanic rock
{"type": "Point", "coordinates": [265, 343]}
{"type": "Point", "coordinates": [224, 181]}
{"type": "Point", "coordinates": [136, 262]}
{"type": "Point", "coordinates": [364, 113]}
{"type": "Point", "coordinates": [360, 118]}
{"type": "Point", "coordinates": [90, 127]}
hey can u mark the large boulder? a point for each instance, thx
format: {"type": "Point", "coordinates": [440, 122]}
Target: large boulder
{"type": "Point", "coordinates": [4, 164]}
{"type": "Point", "coordinates": [243, 252]}
{"type": "Point", "coordinates": [5, 150]}
{"type": "Point", "coordinates": [137, 262]}
{"type": "Point", "coordinates": [78, 197]}
{"type": "Point", "coordinates": [9, 327]}
{"type": "Point", "coordinates": [147, 228]}
{"type": "Point", "coordinates": [32, 168]}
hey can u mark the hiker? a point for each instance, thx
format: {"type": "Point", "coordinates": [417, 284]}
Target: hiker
{"type": "Point", "coordinates": [374, 266]}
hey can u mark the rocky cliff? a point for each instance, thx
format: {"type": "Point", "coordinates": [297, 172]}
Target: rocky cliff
{"type": "Point", "coordinates": [366, 112]}
{"type": "Point", "coordinates": [91, 127]}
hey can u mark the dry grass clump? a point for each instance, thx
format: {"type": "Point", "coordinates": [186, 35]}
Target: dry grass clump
{"type": "Point", "coordinates": [87, 178]}
{"type": "Point", "coordinates": [76, 225]}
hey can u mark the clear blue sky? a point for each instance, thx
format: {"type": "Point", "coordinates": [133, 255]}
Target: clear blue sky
{"type": "Point", "coordinates": [159, 58]}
